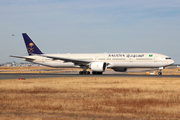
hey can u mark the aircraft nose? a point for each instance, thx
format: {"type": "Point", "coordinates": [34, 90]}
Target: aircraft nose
{"type": "Point", "coordinates": [172, 61]}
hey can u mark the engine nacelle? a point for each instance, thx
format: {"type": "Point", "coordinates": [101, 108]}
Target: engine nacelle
{"type": "Point", "coordinates": [98, 66]}
{"type": "Point", "coordinates": [120, 69]}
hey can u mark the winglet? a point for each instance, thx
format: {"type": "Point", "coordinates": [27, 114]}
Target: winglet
{"type": "Point", "coordinates": [30, 45]}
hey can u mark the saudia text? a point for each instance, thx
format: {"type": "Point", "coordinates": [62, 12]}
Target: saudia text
{"type": "Point", "coordinates": [126, 55]}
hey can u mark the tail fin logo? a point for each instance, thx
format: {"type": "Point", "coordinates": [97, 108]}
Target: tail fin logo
{"type": "Point", "coordinates": [30, 45]}
{"type": "Point", "coordinates": [30, 48]}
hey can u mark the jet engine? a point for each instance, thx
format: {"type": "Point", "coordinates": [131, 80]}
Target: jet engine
{"type": "Point", "coordinates": [98, 66]}
{"type": "Point", "coordinates": [120, 69]}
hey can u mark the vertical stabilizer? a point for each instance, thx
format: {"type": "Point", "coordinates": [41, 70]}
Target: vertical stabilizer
{"type": "Point", "coordinates": [30, 45]}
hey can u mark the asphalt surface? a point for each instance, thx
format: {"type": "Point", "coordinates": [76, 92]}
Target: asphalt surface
{"type": "Point", "coordinates": [4, 76]}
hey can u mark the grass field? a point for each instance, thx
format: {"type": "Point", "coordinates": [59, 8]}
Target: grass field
{"type": "Point", "coordinates": [90, 98]}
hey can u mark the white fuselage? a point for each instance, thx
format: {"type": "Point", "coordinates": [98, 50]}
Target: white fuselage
{"type": "Point", "coordinates": [114, 60]}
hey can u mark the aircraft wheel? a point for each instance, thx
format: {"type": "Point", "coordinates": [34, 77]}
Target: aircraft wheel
{"type": "Point", "coordinates": [159, 73]}
{"type": "Point", "coordinates": [93, 73]}
{"type": "Point", "coordinates": [84, 72]}
{"type": "Point", "coordinates": [97, 73]}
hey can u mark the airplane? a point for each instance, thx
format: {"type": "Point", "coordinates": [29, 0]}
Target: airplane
{"type": "Point", "coordinates": [97, 62]}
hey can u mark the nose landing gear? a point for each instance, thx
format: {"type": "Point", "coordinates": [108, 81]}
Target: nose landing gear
{"type": "Point", "coordinates": [159, 73]}
{"type": "Point", "coordinates": [160, 70]}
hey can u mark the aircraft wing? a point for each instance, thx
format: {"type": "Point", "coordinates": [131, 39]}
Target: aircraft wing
{"type": "Point", "coordinates": [26, 58]}
{"type": "Point", "coordinates": [76, 61]}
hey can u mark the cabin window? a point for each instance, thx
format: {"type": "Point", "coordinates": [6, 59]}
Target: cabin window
{"type": "Point", "coordinates": [87, 59]}
{"type": "Point", "coordinates": [118, 59]}
{"type": "Point", "coordinates": [143, 58]}
{"type": "Point", "coordinates": [101, 58]}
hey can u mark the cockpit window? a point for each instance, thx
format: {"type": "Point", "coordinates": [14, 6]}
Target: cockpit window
{"type": "Point", "coordinates": [168, 58]}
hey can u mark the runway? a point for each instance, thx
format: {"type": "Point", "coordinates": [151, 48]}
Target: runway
{"type": "Point", "coordinates": [4, 76]}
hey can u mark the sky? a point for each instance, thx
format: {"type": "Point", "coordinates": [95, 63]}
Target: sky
{"type": "Point", "coordinates": [90, 26]}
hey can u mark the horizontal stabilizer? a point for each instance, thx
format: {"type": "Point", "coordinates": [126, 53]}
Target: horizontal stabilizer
{"type": "Point", "coordinates": [26, 58]}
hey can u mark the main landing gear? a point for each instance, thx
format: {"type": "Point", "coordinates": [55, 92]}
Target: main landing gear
{"type": "Point", "coordinates": [88, 73]}
{"type": "Point", "coordinates": [84, 72]}
{"type": "Point", "coordinates": [97, 73]}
